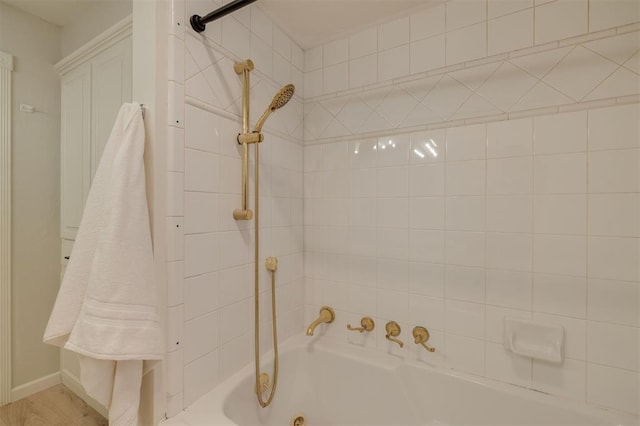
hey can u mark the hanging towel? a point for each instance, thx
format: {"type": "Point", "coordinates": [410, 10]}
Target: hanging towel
{"type": "Point", "coordinates": [106, 306]}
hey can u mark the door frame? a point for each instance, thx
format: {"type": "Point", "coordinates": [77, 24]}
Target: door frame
{"type": "Point", "coordinates": [6, 68]}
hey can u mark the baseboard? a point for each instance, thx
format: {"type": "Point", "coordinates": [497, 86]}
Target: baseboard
{"type": "Point", "coordinates": [35, 386]}
{"type": "Point", "coordinates": [73, 383]}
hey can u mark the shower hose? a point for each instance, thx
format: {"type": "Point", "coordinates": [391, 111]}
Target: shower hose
{"type": "Point", "coordinates": [272, 268]}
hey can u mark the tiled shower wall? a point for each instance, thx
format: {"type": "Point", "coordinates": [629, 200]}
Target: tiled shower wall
{"type": "Point", "coordinates": [210, 259]}
{"type": "Point", "coordinates": [477, 160]}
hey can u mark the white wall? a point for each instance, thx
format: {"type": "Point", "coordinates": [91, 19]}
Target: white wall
{"type": "Point", "coordinates": [35, 45]}
{"type": "Point", "coordinates": [530, 208]}
{"type": "Point", "coordinates": [97, 17]}
{"type": "Point", "coordinates": [210, 266]}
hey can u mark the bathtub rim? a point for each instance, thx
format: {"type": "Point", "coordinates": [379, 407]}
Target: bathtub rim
{"type": "Point", "coordinates": [210, 407]}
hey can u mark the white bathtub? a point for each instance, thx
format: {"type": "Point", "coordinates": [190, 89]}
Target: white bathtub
{"type": "Point", "coordinates": [334, 384]}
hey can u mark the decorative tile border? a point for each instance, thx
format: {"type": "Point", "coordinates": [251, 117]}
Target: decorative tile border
{"type": "Point", "coordinates": [514, 84]}
{"type": "Point", "coordinates": [213, 67]}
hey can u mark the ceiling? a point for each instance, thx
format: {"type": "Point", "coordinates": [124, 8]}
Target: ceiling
{"type": "Point", "coordinates": [313, 22]}
{"type": "Point", "coordinates": [58, 12]}
{"type": "Point", "coordinates": [308, 22]}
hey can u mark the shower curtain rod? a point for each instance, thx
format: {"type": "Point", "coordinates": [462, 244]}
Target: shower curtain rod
{"type": "Point", "coordinates": [198, 22]}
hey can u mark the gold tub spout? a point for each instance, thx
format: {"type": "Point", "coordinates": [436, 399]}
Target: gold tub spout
{"type": "Point", "coordinates": [326, 315]}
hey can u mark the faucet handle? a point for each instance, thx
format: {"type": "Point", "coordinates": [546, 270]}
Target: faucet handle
{"type": "Point", "coordinates": [393, 330]}
{"type": "Point", "coordinates": [421, 335]}
{"type": "Point", "coordinates": [366, 323]}
{"type": "Point", "coordinates": [327, 314]}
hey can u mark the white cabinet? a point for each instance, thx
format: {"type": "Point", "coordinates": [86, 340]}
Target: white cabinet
{"type": "Point", "coordinates": [95, 83]}
{"type": "Point", "coordinates": [75, 126]}
{"type": "Point", "coordinates": [110, 88]}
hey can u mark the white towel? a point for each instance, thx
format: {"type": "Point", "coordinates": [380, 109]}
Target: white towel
{"type": "Point", "coordinates": [106, 307]}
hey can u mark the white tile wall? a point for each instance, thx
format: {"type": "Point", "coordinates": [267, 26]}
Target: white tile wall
{"type": "Point", "coordinates": [509, 176]}
{"type": "Point", "coordinates": [363, 43]}
{"type": "Point", "coordinates": [613, 301]}
{"type": "Point", "coordinates": [428, 22]}
{"type": "Point", "coordinates": [567, 379]}
{"type": "Point", "coordinates": [462, 13]}
{"type": "Point", "coordinates": [498, 8]}
{"type": "Point", "coordinates": [560, 19]}
{"type": "Point", "coordinates": [612, 128]}
{"type": "Point", "coordinates": [531, 215]}
{"type": "Point", "coordinates": [621, 341]}
{"type": "Point", "coordinates": [605, 14]}
{"type": "Point", "coordinates": [510, 32]}
{"type": "Point", "coordinates": [393, 34]}
{"type": "Point", "coordinates": [508, 288]}
{"type": "Point", "coordinates": [363, 70]}
{"type": "Point", "coordinates": [473, 30]}
{"type": "Point", "coordinates": [513, 138]}
{"type": "Point", "coordinates": [509, 213]}
{"type": "Point", "coordinates": [560, 174]}
{"type": "Point", "coordinates": [427, 54]}
{"type": "Point", "coordinates": [560, 133]}
{"type": "Point", "coordinates": [210, 254]}
{"type": "Point", "coordinates": [560, 295]}
{"type": "Point", "coordinates": [465, 354]}
{"type": "Point", "coordinates": [467, 43]}
{"type": "Point", "coordinates": [507, 367]}
{"type": "Point", "coordinates": [393, 63]}
{"type": "Point", "coordinates": [574, 331]}
{"type": "Point", "coordinates": [527, 68]}
{"type": "Point", "coordinates": [560, 214]}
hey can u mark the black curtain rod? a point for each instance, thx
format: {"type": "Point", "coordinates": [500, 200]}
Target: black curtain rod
{"type": "Point", "coordinates": [198, 22]}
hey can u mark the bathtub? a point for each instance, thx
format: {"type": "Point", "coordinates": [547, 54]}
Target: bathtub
{"type": "Point", "coordinates": [335, 384]}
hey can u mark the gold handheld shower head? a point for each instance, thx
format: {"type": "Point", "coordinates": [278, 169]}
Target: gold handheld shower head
{"type": "Point", "coordinates": [281, 98]}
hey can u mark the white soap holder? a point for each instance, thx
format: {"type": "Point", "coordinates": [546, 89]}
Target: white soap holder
{"type": "Point", "coordinates": [533, 339]}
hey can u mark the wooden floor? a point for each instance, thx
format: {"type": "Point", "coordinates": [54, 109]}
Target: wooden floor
{"type": "Point", "coordinates": [56, 406]}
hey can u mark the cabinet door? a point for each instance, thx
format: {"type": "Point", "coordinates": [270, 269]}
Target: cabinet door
{"type": "Point", "coordinates": [65, 251]}
{"type": "Point", "coordinates": [75, 155]}
{"type": "Point", "coordinates": [111, 87]}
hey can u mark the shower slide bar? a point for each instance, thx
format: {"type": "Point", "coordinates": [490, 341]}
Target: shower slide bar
{"type": "Point", "coordinates": [198, 23]}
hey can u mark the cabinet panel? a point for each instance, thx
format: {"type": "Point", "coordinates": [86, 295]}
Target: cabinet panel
{"type": "Point", "coordinates": [92, 94]}
{"type": "Point", "coordinates": [95, 84]}
{"type": "Point", "coordinates": [111, 87]}
{"type": "Point", "coordinates": [75, 155]}
{"type": "Point", "coordinates": [65, 251]}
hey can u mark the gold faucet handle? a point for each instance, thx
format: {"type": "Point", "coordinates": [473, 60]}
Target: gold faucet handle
{"type": "Point", "coordinates": [393, 330]}
{"type": "Point", "coordinates": [263, 384]}
{"type": "Point", "coordinates": [366, 323]}
{"type": "Point", "coordinates": [421, 335]}
{"type": "Point", "coordinates": [327, 314]}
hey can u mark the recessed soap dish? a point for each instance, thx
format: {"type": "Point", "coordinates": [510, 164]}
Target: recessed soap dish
{"type": "Point", "coordinates": [534, 339]}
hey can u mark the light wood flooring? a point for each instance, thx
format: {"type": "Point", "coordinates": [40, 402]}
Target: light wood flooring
{"type": "Point", "coordinates": [56, 406]}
